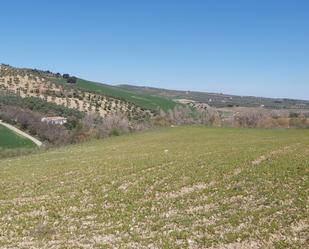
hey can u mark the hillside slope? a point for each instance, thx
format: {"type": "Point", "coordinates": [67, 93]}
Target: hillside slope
{"type": "Point", "coordinates": [219, 99]}
{"type": "Point", "coordinates": [147, 101]}
{"type": "Point", "coordinates": [186, 187]}
{"type": "Point", "coordinates": [39, 84]}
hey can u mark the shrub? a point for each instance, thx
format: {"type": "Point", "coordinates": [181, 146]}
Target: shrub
{"type": "Point", "coordinates": [249, 118]}
{"type": "Point", "coordinates": [114, 122]}
{"type": "Point", "coordinates": [72, 80]}
{"type": "Point", "coordinates": [115, 132]}
{"type": "Point", "coordinates": [294, 115]}
{"type": "Point", "coordinates": [298, 123]}
{"type": "Point", "coordinates": [94, 126]}
{"type": "Point", "coordinates": [181, 115]}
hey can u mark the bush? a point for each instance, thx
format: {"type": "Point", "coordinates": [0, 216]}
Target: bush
{"type": "Point", "coordinates": [181, 115]}
{"type": "Point", "coordinates": [72, 80]}
{"type": "Point", "coordinates": [114, 124]}
{"type": "Point", "coordinates": [294, 115]}
{"type": "Point", "coordinates": [115, 132]}
{"type": "Point", "coordinates": [298, 123]}
{"type": "Point", "coordinates": [94, 126]}
{"type": "Point", "coordinates": [250, 118]}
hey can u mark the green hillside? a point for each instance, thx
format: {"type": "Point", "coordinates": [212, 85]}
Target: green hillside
{"type": "Point", "coordinates": [10, 140]}
{"type": "Point", "coordinates": [220, 99]}
{"type": "Point", "coordinates": [145, 101]}
{"type": "Point", "coordinates": [184, 187]}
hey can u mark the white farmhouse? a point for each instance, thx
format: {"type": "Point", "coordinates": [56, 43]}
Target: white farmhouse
{"type": "Point", "coordinates": [54, 120]}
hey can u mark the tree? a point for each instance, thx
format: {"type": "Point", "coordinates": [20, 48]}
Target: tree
{"type": "Point", "coordinates": [72, 80]}
{"type": "Point", "coordinates": [250, 118]}
{"type": "Point", "coordinates": [66, 76]}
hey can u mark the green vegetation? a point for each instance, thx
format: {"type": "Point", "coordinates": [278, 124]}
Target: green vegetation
{"type": "Point", "coordinates": [38, 105]}
{"type": "Point", "coordinates": [183, 187]}
{"type": "Point", "coordinates": [220, 99]}
{"type": "Point", "coordinates": [10, 140]}
{"type": "Point", "coordinates": [145, 101]}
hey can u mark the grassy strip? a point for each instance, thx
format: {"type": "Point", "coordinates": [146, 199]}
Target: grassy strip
{"type": "Point", "coordinates": [10, 140]}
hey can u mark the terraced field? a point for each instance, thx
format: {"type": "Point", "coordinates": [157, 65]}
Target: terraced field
{"type": "Point", "coordinates": [183, 187]}
{"type": "Point", "coordinates": [10, 140]}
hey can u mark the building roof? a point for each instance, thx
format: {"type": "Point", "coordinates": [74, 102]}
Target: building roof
{"type": "Point", "coordinates": [53, 119]}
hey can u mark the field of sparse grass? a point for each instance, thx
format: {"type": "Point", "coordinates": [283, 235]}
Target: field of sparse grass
{"type": "Point", "coordinates": [10, 140]}
{"type": "Point", "coordinates": [146, 101]}
{"type": "Point", "coordinates": [183, 187]}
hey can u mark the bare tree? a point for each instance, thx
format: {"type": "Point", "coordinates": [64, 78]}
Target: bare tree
{"type": "Point", "coordinates": [250, 118]}
{"type": "Point", "coordinates": [113, 125]}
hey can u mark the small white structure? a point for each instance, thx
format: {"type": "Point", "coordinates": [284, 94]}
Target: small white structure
{"type": "Point", "coordinates": [54, 120]}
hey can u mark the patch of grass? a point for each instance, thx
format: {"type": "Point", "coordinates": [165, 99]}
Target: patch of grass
{"type": "Point", "coordinates": [145, 101]}
{"type": "Point", "coordinates": [184, 187]}
{"type": "Point", "coordinates": [11, 140]}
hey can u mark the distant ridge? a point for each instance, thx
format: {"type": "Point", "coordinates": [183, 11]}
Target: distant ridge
{"type": "Point", "coordinates": [131, 99]}
{"type": "Point", "coordinates": [220, 99]}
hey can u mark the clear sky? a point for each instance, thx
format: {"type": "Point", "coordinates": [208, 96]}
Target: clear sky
{"type": "Point", "coordinates": [245, 47]}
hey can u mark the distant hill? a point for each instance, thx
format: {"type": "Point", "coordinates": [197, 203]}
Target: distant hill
{"type": "Point", "coordinates": [136, 102]}
{"type": "Point", "coordinates": [145, 101]}
{"type": "Point", "coordinates": [83, 96]}
{"type": "Point", "coordinates": [219, 99]}
{"type": "Point", "coordinates": [28, 95]}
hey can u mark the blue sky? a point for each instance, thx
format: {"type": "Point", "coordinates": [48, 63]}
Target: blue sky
{"type": "Point", "coordinates": [245, 47]}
